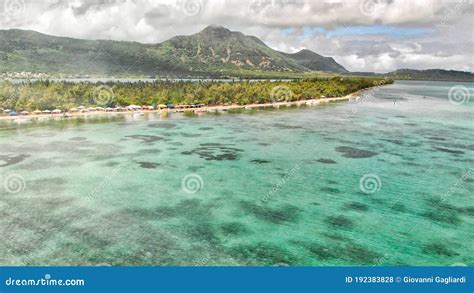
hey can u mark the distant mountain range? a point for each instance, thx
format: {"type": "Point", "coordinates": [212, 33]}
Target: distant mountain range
{"type": "Point", "coordinates": [213, 52]}
{"type": "Point", "coordinates": [429, 74]}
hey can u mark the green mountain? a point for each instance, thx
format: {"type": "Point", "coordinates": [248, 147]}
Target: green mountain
{"type": "Point", "coordinates": [428, 74]}
{"type": "Point", "coordinates": [312, 61]}
{"type": "Point", "coordinates": [34, 52]}
{"type": "Point", "coordinates": [432, 74]}
{"type": "Point", "coordinates": [212, 52]}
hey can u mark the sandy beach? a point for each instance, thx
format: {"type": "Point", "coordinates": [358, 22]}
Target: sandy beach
{"type": "Point", "coordinates": [217, 108]}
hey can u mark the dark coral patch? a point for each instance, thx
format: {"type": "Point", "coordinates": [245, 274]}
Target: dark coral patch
{"type": "Point", "coordinates": [394, 141]}
{"type": "Point", "coordinates": [148, 151]}
{"type": "Point", "coordinates": [438, 248]}
{"type": "Point", "coordinates": [148, 165]}
{"type": "Point", "coordinates": [286, 126]}
{"type": "Point", "coordinates": [111, 164]}
{"type": "Point", "coordinates": [287, 213]}
{"type": "Point", "coordinates": [193, 207]}
{"type": "Point", "coordinates": [189, 135]}
{"type": "Point", "coordinates": [215, 152]}
{"type": "Point", "coordinates": [436, 138]}
{"type": "Point", "coordinates": [203, 231]}
{"type": "Point", "coordinates": [146, 139]}
{"type": "Point", "coordinates": [447, 217]}
{"type": "Point", "coordinates": [330, 189]}
{"type": "Point", "coordinates": [321, 251]}
{"type": "Point", "coordinates": [357, 206]}
{"type": "Point", "coordinates": [360, 254]}
{"type": "Point", "coordinates": [261, 254]}
{"type": "Point", "coordinates": [7, 160]}
{"type": "Point", "coordinates": [339, 222]}
{"type": "Point", "coordinates": [234, 228]}
{"type": "Point", "coordinates": [206, 128]}
{"type": "Point", "coordinates": [176, 143]}
{"type": "Point", "coordinates": [446, 209]}
{"type": "Point", "coordinates": [344, 250]}
{"type": "Point", "coordinates": [445, 150]}
{"type": "Point", "coordinates": [195, 168]}
{"type": "Point", "coordinates": [260, 161]}
{"type": "Point", "coordinates": [326, 161]}
{"type": "Point", "coordinates": [398, 207]}
{"type": "Point", "coordinates": [350, 152]}
{"type": "Point", "coordinates": [162, 125]}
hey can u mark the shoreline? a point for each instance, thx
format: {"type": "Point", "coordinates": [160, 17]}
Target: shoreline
{"type": "Point", "coordinates": [206, 109]}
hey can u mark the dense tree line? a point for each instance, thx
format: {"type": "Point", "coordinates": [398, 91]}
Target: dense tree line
{"type": "Point", "coordinates": [42, 95]}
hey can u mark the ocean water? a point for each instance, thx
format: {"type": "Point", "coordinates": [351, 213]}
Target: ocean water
{"type": "Point", "coordinates": [386, 180]}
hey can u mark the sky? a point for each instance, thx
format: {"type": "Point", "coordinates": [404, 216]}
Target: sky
{"type": "Point", "coordinates": [361, 35]}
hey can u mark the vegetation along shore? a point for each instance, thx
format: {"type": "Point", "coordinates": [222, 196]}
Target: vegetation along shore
{"type": "Point", "coordinates": [45, 97]}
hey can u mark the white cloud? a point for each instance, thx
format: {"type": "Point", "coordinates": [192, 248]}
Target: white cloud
{"type": "Point", "coordinates": [445, 41]}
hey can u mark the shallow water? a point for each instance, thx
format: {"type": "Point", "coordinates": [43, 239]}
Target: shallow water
{"type": "Point", "coordinates": [371, 182]}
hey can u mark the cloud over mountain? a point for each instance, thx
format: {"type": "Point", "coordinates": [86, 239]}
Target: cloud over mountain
{"type": "Point", "coordinates": [362, 35]}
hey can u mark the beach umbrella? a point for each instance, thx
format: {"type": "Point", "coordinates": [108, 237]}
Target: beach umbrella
{"type": "Point", "coordinates": [7, 111]}
{"type": "Point", "coordinates": [73, 110]}
{"type": "Point", "coordinates": [13, 113]}
{"type": "Point", "coordinates": [37, 112]}
{"type": "Point", "coordinates": [56, 111]}
{"type": "Point", "coordinates": [24, 113]}
{"type": "Point", "coordinates": [46, 112]}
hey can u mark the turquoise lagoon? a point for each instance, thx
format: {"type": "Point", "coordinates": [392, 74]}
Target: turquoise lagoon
{"type": "Point", "coordinates": [386, 180]}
